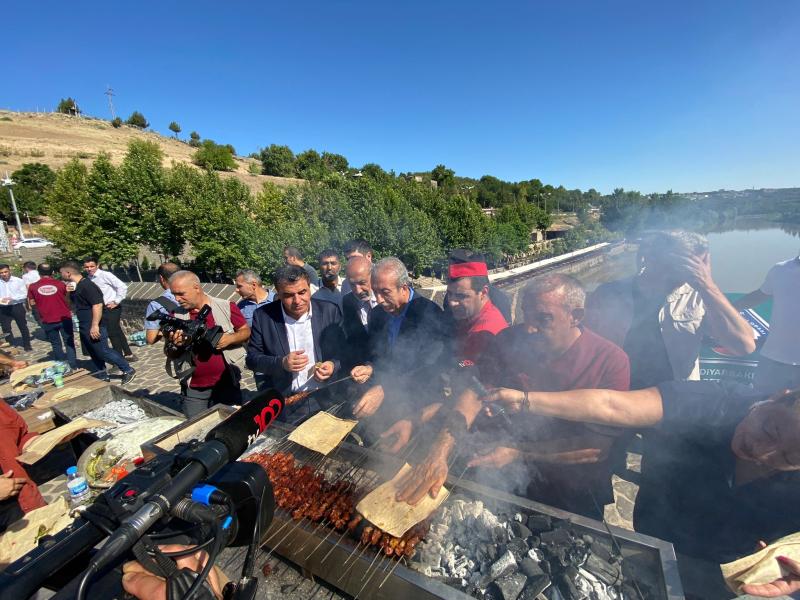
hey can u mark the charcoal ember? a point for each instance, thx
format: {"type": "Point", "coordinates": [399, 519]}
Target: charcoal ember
{"type": "Point", "coordinates": [533, 587]}
{"type": "Point", "coordinates": [608, 573]}
{"type": "Point", "coordinates": [518, 547]}
{"type": "Point", "coordinates": [518, 518]}
{"type": "Point", "coordinates": [500, 534]}
{"type": "Point", "coordinates": [588, 540]}
{"type": "Point", "coordinates": [454, 581]}
{"type": "Point", "coordinates": [507, 587]}
{"type": "Point", "coordinates": [533, 541]}
{"type": "Point", "coordinates": [556, 537]}
{"type": "Point", "coordinates": [504, 565]}
{"type": "Point", "coordinates": [553, 593]}
{"type": "Point", "coordinates": [530, 567]}
{"type": "Point", "coordinates": [493, 551]}
{"type": "Point", "coordinates": [540, 523]}
{"type": "Point", "coordinates": [519, 530]}
{"type": "Point", "coordinates": [569, 586]}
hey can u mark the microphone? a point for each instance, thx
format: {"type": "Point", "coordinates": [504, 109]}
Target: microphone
{"type": "Point", "coordinates": [225, 443]}
{"type": "Point", "coordinates": [241, 428]}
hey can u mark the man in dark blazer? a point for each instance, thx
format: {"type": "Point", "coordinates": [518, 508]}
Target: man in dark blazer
{"type": "Point", "coordinates": [296, 341]}
{"type": "Point", "coordinates": [409, 344]}
{"type": "Point", "coordinates": [360, 310]}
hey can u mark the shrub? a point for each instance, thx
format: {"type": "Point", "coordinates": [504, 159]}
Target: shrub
{"type": "Point", "coordinates": [36, 153]}
{"type": "Point", "coordinates": [117, 122]}
{"type": "Point", "coordinates": [194, 139]}
{"type": "Point", "coordinates": [6, 119]}
{"type": "Point", "coordinates": [214, 156]}
{"type": "Point", "coordinates": [254, 168]}
{"type": "Point", "coordinates": [137, 120]}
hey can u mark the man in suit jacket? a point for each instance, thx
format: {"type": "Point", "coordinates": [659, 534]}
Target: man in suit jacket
{"type": "Point", "coordinates": [296, 341]}
{"type": "Point", "coordinates": [409, 344]}
{"type": "Point", "coordinates": [360, 310]}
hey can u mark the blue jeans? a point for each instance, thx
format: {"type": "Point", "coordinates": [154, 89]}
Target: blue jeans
{"type": "Point", "coordinates": [99, 350]}
{"type": "Point", "coordinates": [55, 332]}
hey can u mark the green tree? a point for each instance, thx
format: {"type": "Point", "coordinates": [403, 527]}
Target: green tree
{"type": "Point", "coordinates": [116, 123]}
{"type": "Point", "coordinates": [68, 106]}
{"type": "Point", "coordinates": [175, 128]}
{"type": "Point", "coordinates": [309, 165]}
{"type": "Point", "coordinates": [335, 162]}
{"type": "Point", "coordinates": [68, 206]}
{"type": "Point", "coordinates": [277, 161]}
{"type": "Point", "coordinates": [32, 181]}
{"type": "Point", "coordinates": [214, 156]}
{"type": "Point", "coordinates": [444, 177]}
{"type": "Point", "coordinates": [194, 139]}
{"type": "Point", "coordinates": [137, 120]}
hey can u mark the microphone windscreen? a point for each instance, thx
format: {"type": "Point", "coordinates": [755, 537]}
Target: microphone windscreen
{"type": "Point", "coordinates": [242, 427]}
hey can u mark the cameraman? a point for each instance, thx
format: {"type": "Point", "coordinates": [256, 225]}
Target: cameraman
{"type": "Point", "coordinates": [216, 375]}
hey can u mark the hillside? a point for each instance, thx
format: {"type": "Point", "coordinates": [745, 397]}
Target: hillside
{"type": "Point", "coordinates": [55, 139]}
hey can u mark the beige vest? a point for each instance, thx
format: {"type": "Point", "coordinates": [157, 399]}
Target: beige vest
{"type": "Point", "coordinates": [221, 311]}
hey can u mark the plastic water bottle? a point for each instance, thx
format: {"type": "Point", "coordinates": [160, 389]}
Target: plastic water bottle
{"type": "Point", "coordinates": [77, 486]}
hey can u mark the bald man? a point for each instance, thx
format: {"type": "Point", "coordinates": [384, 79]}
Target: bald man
{"type": "Point", "coordinates": [217, 372]}
{"type": "Point", "coordinates": [357, 308]}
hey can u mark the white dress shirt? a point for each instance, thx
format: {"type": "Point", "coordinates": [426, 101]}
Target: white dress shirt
{"type": "Point", "coordinates": [301, 337]}
{"type": "Point", "coordinates": [113, 289]}
{"type": "Point", "coordinates": [364, 307]}
{"type": "Point", "coordinates": [31, 277]}
{"type": "Point", "coordinates": [15, 289]}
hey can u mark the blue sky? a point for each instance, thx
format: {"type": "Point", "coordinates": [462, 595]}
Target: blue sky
{"type": "Point", "coordinates": [687, 96]}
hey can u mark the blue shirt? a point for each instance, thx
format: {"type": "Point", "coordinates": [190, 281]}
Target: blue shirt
{"type": "Point", "coordinates": [248, 307]}
{"type": "Point", "coordinates": [396, 322]}
{"type": "Point", "coordinates": [155, 306]}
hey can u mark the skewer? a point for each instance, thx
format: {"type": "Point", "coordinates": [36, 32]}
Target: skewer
{"type": "Point", "coordinates": [291, 531]}
{"type": "Point", "coordinates": [390, 572]}
{"type": "Point", "coordinates": [320, 543]}
{"type": "Point", "coordinates": [353, 553]}
{"type": "Point", "coordinates": [377, 554]}
{"type": "Point", "coordinates": [352, 564]}
{"type": "Point", "coordinates": [324, 558]}
{"type": "Point", "coordinates": [313, 533]}
{"type": "Point", "coordinates": [264, 543]}
{"type": "Point", "coordinates": [366, 583]}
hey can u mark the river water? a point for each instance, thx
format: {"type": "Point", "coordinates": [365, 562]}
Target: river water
{"type": "Point", "coordinates": [741, 257]}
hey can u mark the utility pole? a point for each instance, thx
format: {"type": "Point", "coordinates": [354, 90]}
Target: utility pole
{"type": "Point", "coordinates": [8, 183]}
{"type": "Point", "coordinates": [110, 93]}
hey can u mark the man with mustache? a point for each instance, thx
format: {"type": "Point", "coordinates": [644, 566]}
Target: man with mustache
{"type": "Point", "coordinates": [550, 350]}
{"type": "Point", "coordinates": [358, 308]}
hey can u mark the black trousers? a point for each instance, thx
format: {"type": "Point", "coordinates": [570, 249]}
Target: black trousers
{"type": "Point", "coordinates": [111, 317]}
{"type": "Point", "coordinates": [16, 313]}
{"type": "Point", "coordinates": [226, 391]}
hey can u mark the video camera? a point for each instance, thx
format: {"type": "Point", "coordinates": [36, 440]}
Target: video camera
{"type": "Point", "coordinates": [192, 495]}
{"type": "Point", "coordinates": [194, 330]}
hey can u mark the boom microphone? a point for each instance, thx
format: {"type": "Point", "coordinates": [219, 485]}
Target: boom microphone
{"type": "Point", "coordinates": [241, 428]}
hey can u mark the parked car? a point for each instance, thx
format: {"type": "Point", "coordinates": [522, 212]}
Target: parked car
{"type": "Point", "coordinates": [32, 243]}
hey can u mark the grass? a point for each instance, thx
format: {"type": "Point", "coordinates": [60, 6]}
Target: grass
{"type": "Point", "coordinates": [6, 151]}
{"type": "Point", "coordinates": [6, 119]}
{"type": "Point", "coordinates": [36, 153]}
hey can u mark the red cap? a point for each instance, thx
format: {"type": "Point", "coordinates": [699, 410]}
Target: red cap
{"type": "Point", "coordinates": [468, 269]}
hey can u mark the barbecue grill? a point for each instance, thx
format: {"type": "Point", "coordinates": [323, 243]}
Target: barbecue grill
{"type": "Point", "coordinates": [363, 572]}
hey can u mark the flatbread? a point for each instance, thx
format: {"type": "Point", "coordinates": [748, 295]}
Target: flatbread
{"type": "Point", "coordinates": [23, 536]}
{"type": "Point", "coordinates": [322, 433]}
{"type": "Point", "coordinates": [19, 375]}
{"type": "Point", "coordinates": [761, 567]}
{"type": "Point", "coordinates": [395, 518]}
{"type": "Point", "coordinates": [66, 393]}
{"type": "Point", "coordinates": [41, 445]}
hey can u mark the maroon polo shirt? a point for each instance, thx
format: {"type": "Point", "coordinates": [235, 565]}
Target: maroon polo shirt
{"type": "Point", "coordinates": [50, 297]}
